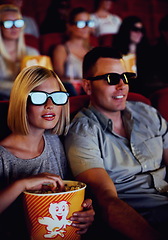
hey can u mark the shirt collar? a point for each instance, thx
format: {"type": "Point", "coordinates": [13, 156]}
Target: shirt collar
{"type": "Point", "coordinates": [107, 123]}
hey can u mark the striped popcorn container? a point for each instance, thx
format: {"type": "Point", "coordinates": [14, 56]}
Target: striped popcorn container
{"type": "Point", "coordinates": [47, 214]}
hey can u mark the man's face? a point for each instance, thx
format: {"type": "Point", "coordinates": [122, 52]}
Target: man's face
{"type": "Point", "coordinates": [107, 98]}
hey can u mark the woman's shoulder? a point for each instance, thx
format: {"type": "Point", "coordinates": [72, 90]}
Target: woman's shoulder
{"type": "Point", "coordinates": [7, 142]}
{"type": "Point", "coordinates": [60, 49]}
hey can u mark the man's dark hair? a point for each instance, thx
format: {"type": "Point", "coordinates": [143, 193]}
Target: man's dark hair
{"type": "Point", "coordinates": [92, 56]}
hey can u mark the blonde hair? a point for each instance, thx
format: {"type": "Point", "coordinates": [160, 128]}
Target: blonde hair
{"type": "Point", "coordinates": [21, 50]}
{"type": "Point", "coordinates": [26, 81]}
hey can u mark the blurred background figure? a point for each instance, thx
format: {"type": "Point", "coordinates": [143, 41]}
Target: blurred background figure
{"type": "Point", "coordinates": [131, 41]}
{"type": "Point", "coordinates": [12, 47]}
{"type": "Point", "coordinates": [105, 21]}
{"type": "Point", "coordinates": [56, 18]}
{"type": "Point", "coordinates": [68, 57]}
{"type": "Point", "coordinates": [31, 26]}
{"type": "Point", "coordinates": [160, 55]}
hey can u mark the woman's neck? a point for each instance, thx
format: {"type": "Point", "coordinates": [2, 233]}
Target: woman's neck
{"type": "Point", "coordinates": [102, 13]}
{"type": "Point", "coordinates": [11, 47]}
{"type": "Point", "coordinates": [79, 42]}
{"type": "Point", "coordinates": [24, 146]}
{"type": "Point", "coordinates": [132, 48]}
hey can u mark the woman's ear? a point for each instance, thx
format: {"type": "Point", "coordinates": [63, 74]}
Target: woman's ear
{"type": "Point", "coordinates": [86, 84]}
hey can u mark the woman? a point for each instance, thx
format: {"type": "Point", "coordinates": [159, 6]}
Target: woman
{"type": "Point", "coordinates": [105, 21]}
{"type": "Point", "coordinates": [31, 156]}
{"type": "Point", "coordinates": [132, 42]}
{"type": "Point", "coordinates": [68, 57]}
{"type": "Point", "coordinates": [12, 47]}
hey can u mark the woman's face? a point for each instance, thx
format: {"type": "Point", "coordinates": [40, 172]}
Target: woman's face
{"type": "Point", "coordinates": [107, 4]}
{"type": "Point", "coordinates": [136, 33]}
{"type": "Point", "coordinates": [77, 32]}
{"type": "Point", "coordinates": [12, 33]}
{"type": "Point", "coordinates": [47, 115]}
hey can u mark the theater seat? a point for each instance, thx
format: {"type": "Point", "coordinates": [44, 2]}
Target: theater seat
{"type": "Point", "coordinates": [138, 98]}
{"type": "Point", "coordinates": [159, 100]}
{"type": "Point", "coordinates": [32, 41]}
{"type": "Point", "coordinates": [76, 104]}
{"type": "Point", "coordinates": [4, 130]}
{"type": "Point", "coordinates": [48, 41]}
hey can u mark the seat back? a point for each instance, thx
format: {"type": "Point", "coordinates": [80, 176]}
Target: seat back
{"type": "Point", "coordinates": [138, 98]}
{"type": "Point", "coordinates": [80, 101]}
{"type": "Point", "coordinates": [159, 100]}
{"type": "Point", "coordinates": [4, 131]}
{"type": "Point", "coordinates": [76, 104]}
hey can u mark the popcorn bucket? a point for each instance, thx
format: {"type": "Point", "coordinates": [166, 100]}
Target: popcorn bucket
{"type": "Point", "coordinates": [48, 214]}
{"type": "Point", "coordinates": [41, 60]}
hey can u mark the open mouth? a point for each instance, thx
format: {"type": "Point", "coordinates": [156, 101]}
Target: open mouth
{"type": "Point", "coordinates": [118, 97]}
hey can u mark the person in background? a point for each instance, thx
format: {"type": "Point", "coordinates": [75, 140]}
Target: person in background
{"type": "Point", "coordinates": [12, 47]}
{"type": "Point", "coordinates": [105, 21]}
{"type": "Point", "coordinates": [56, 17]}
{"type": "Point", "coordinates": [160, 53]}
{"type": "Point", "coordinates": [120, 150]}
{"type": "Point", "coordinates": [32, 154]}
{"type": "Point", "coordinates": [132, 43]}
{"type": "Point", "coordinates": [67, 57]}
{"type": "Point", "coordinates": [30, 26]}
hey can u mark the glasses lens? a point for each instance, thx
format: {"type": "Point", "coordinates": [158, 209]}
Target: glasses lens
{"type": "Point", "coordinates": [137, 29]}
{"type": "Point", "coordinates": [38, 98]}
{"type": "Point", "coordinates": [129, 76]}
{"type": "Point", "coordinates": [19, 23]}
{"type": "Point", "coordinates": [59, 98]}
{"type": "Point", "coordinates": [8, 24]}
{"type": "Point", "coordinates": [113, 78]}
{"type": "Point", "coordinates": [80, 24]}
{"type": "Point", "coordinates": [91, 23]}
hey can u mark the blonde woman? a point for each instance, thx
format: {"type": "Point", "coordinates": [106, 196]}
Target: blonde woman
{"type": "Point", "coordinates": [12, 46]}
{"type": "Point", "coordinates": [32, 154]}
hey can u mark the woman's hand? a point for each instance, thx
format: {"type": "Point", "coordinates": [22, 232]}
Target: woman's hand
{"type": "Point", "coordinates": [84, 218]}
{"type": "Point", "coordinates": [37, 182]}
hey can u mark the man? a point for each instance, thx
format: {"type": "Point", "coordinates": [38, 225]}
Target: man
{"type": "Point", "coordinates": [120, 150]}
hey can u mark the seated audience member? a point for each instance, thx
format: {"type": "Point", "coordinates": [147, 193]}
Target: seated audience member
{"type": "Point", "coordinates": [68, 57]}
{"type": "Point", "coordinates": [132, 43]}
{"type": "Point", "coordinates": [56, 17]}
{"type": "Point", "coordinates": [105, 21]}
{"type": "Point", "coordinates": [30, 26]}
{"type": "Point", "coordinates": [12, 47]}
{"type": "Point", "coordinates": [160, 53]}
{"type": "Point", "coordinates": [31, 156]}
{"type": "Point", "coordinates": [120, 150]}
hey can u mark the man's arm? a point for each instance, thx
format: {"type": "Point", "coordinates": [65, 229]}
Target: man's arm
{"type": "Point", "coordinates": [119, 215]}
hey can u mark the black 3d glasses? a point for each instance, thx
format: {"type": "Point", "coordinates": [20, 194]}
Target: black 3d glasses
{"type": "Point", "coordinates": [138, 29]}
{"type": "Point", "coordinates": [40, 97]}
{"type": "Point", "coordinates": [114, 78]}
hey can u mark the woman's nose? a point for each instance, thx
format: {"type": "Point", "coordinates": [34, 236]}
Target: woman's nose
{"type": "Point", "coordinates": [49, 103]}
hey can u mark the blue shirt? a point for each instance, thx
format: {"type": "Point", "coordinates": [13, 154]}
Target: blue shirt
{"type": "Point", "coordinates": [135, 163]}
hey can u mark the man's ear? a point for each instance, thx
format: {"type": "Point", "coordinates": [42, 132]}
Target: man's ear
{"type": "Point", "coordinates": [86, 84]}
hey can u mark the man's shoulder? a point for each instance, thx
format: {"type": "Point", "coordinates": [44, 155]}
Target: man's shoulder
{"type": "Point", "coordinates": [85, 120]}
{"type": "Point", "coordinates": [85, 115]}
{"type": "Point", "coordinates": [142, 112]}
{"type": "Point", "coordinates": [135, 106]}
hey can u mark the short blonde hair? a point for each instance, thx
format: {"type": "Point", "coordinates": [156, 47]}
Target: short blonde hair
{"type": "Point", "coordinates": [26, 81]}
{"type": "Point", "coordinates": [21, 50]}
